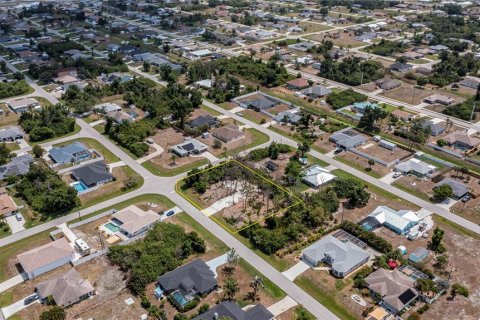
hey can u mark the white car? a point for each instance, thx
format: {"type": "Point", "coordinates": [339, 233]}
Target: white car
{"type": "Point", "coordinates": [397, 174]}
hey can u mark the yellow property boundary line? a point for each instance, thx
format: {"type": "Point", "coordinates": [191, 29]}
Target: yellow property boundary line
{"type": "Point", "coordinates": [227, 227]}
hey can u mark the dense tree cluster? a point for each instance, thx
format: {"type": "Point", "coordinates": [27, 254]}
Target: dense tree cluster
{"type": "Point", "coordinates": [131, 135]}
{"type": "Point", "coordinates": [270, 74]}
{"type": "Point", "coordinates": [351, 71]}
{"type": "Point", "coordinates": [15, 88]}
{"type": "Point", "coordinates": [272, 151]}
{"type": "Point", "coordinates": [370, 118]}
{"type": "Point", "coordinates": [5, 153]}
{"type": "Point", "coordinates": [370, 238]}
{"type": "Point", "coordinates": [45, 191]}
{"type": "Point", "coordinates": [366, 4]}
{"type": "Point", "coordinates": [57, 48]}
{"type": "Point", "coordinates": [224, 88]}
{"type": "Point", "coordinates": [344, 98]}
{"type": "Point", "coordinates": [323, 48]}
{"type": "Point", "coordinates": [353, 190]}
{"type": "Point", "coordinates": [165, 247]}
{"type": "Point", "coordinates": [452, 68]}
{"type": "Point", "coordinates": [451, 27]}
{"type": "Point", "coordinates": [46, 123]}
{"type": "Point", "coordinates": [463, 110]}
{"type": "Point", "coordinates": [386, 47]}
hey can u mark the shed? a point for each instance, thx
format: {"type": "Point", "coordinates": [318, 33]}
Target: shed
{"type": "Point", "coordinates": [387, 144]}
{"type": "Point", "coordinates": [418, 255]}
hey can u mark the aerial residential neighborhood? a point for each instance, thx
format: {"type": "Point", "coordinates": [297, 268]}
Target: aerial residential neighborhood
{"type": "Point", "coordinates": [239, 159]}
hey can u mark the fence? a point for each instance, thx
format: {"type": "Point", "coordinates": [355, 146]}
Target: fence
{"type": "Point", "coordinates": [434, 159]}
{"type": "Point", "coordinates": [384, 163]}
{"type": "Point", "coordinates": [450, 152]}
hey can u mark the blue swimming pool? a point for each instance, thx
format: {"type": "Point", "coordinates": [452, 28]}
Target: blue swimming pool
{"type": "Point", "coordinates": [112, 227]}
{"type": "Point", "coordinates": [79, 186]}
{"type": "Point", "coordinates": [180, 298]}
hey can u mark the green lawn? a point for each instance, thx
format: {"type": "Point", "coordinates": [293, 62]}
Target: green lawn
{"type": "Point", "coordinates": [100, 148]}
{"type": "Point", "coordinates": [324, 298]}
{"type": "Point", "coordinates": [411, 191]}
{"type": "Point", "coordinates": [440, 220]}
{"type": "Point", "coordinates": [270, 288]}
{"type": "Point", "coordinates": [75, 131]}
{"type": "Point", "coordinates": [6, 299]}
{"type": "Point", "coordinates": [164, 172]}
{"type": "Point", "coordinates": [4, 234]}
{"type": "Point", "coordinates": [214, 113]}
{"type": "Point", "coordinates": [259, 138]}
{"type": "Point", "coordinates": [313, 160]}
{"type": "Point", "coordinates": [359, 167]}
{"type": "Point", "coordinates": [13, 146]}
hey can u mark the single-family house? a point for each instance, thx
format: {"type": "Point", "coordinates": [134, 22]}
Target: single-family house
{"type": "Point", "coordinates": [7, 205]}
{"type": "Point", "coordinates": [316, 91]}
{"type": "Point", "coordinates": [11, 134]}
{"type": "Point", "coordinates": [190, 146]}
{"type": "Point", "coordinates": [204, 121]}
{"type": "Point", "coordinates": [297, 84]}
{"type": "Point", "coordinates": [262, 103]}
{"type": "Point", "coordinates": [394, 290]}
{"type": "Point", "coordinates": [22, 105]}
{"type": "Point", "coordinates": [301, 46]}
{"type": "Point", "coordinates": [348, 138]}
{"type": "Point", "coordinates": [288, 116]}
{"type": "Point", "coordinates": [46, 258]}
{"type": "Point", "coordinates": [342, 257]}
{"type": "Point", "coordinates": [232, 311]}
{"type": "Point", "coordinates": [204, 84]}
{"type": "Point", "coordinates": [73, 152]}
{"type": "Point", "coordinates": [400, 67]}
{"type": "Point", "coordinates": [398, 221]}
{"type": "Point", "coordinates": [423, 71]}
{"type": "Point", "coordinates": [416, 167]}
{"type": "Point", "coordinates": [402, 115]}
{"type": "Point", "coordinates": [16, 167]}
{"type": "Point", "coordinates": [359, 107]}
{"type": "Point", "coordinates": [66, 289]}
{"type": "Point", "coordinates": [228, 133]}
{"type": "Point", "coordinates": [439, 99]}
{"type": "Point", "coordinates": [107, 107]}
{"type": "Point", "coordinates": [93, 174]}
{"type": "Point", "coordinates": [316, 176]}
{"type": "Point", "coordinates": [198, 54]}
{"type": "Point", "coordinates": [461, 140]}
{"type": "Point", "coordinates": [388, 83]}
{"type": "Point", "coordinates": [470, 83]}
{"type": "Point", "coordinates": [459, 189]}
{"type": "Point", "coordinates": [412, 55]}
{"type": "Point", "coordinates": [133, 221]}
{"type": "Point", "coordinates": [438, 48]}
{"type": "Point", "coordinates": [189, 280]}
{"type": "Point", "coordinates": [436, 126]}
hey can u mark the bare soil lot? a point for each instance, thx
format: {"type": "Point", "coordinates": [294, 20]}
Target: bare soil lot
{"type": "Point", "coordinates": [362, 164]}
{"type": "Point", "coordinates": [407, 94]}
{"type": "Point", "coordinates": [345, 40]}
{"type": "Point", "coordinates": [379, 152]}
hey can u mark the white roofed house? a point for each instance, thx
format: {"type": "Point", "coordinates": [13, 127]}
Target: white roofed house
{"type": "Point", "coordinates": [316, 176]}
{"type": "Point", "coordinates": [24, 104]}
{"type": "Point", "coordinates": [416, 167]}
{"type": "Point", "coordinates": [398, 221]}
{"type": "Point", "coordinates": [342, 257]}
{"type": "Point", "coordinates": [133, 221]}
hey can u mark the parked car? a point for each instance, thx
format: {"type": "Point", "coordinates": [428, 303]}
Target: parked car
{"type": "Point", "coordinates": [170, 213]}
{"type": "Point", "coordinates": [397, 174]}
{"type": "Point", "coordinates": [18, 216]}
{"type": "Point", "coordinates": [30, 299]}
{"type": "Point", "coordinates": [150, 141]}
{"type": "Point", "coordinates": [337, 151]}
{"type": "Point", "coordinates": [466, 198]}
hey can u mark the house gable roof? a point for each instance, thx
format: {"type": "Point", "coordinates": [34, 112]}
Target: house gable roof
{"type": "Point", "coordinates": [193, 275]}
{"type": "Point", "coordinates": [134, 219]}
{"type": "Point", "coordinates": [232, 310]}
{"type": "Point", "coordinates": [68, 152]}
{"type": "Point", "coordinates": [93, 173]}
{"type": "Point", "coordinates": [44, 255]}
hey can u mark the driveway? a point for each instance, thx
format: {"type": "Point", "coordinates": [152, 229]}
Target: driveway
{"type": "Point", "coordinates": [282, 306]}
{"type": "Point", "coordinates": [15, 225]}
{"type": "Point", "coordinates": [296, 270]}
{"type": "Point", "coordinates": [16, 307]}
{"type": "Point", "coordinates": [388, 178]}
{"type": "Point", "coordinates": [217, 262]}
{"type": "Point", "coordinates": [12, 282]}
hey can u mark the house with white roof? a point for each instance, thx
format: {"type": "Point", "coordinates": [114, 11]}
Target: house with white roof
{"type": "Point", "coordinates": [416, 167]}
{"type": "Point", "coordinates": [398, 221]}
{"type": "Point", "coordinates": [316, 176]}
{"type": "Point", "coordinates": [133, 221]}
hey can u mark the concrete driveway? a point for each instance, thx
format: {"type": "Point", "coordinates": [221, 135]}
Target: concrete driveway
{"type": "Point", "coordinates": [388, 178]}
{"type": "Point", "coordinates": [217, 262]}
{"type": "Point", "coordinates": [296, 270]}
{"type": "Point", "coordinates": [15, 225]}
{"type": "Point", "coordinates": [282, 306]}
{"type": "Point", "coordinates": [16, 307]}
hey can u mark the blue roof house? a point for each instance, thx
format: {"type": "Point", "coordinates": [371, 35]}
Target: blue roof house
{"type": "Point", "coordinates": [360, 107]}
{"type": "Point", "coordinates": [418, 255]}
{"type": "Point", "coordinates": [73, 152]}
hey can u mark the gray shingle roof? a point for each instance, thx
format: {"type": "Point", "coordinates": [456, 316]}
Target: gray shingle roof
{"type": "Point", "coordinates": [195, 275]}
{"type": "Point", "coordinates": [68, 153]}
{"type": "Point", "coordinates": [93, 173]}
{"type": "Point", "coordinates": [17, 166]}
{"type": "Point", "coordinates": [459, 189]}
{"type": "Point", "coordinates": [232, 310]}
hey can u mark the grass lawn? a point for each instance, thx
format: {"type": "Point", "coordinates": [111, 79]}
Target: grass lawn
{"type": "Point", "coordinates": [324, 298]}
{"type": "Point", "coordinates": [13, 146]}
{"type": "Point", "coordinates": [440, 220]}
{"type": "Point", "coordinates": [3, 233]}
{"type": "Point", "coordinates": [164, 172]}
{"type": "Point", "coordinates": [271, 288]}
{"type": "Point", "coordinates": [11, 249]}
{"type": "Point", "coordinates": [259, 138]}
{"type": "Point", "coordinates": [411, 191]}
{"type": "Point", "coordinates": [359, 167]}
{"type": "Point", "coordinates": [75, 131]}
{"type": "Point", "coordinates": [214, 113]}
{"type": "Point", "coordinates": [313, 160]}
{"type": "Point", "coordinates": [100, 148]}
{"type": "Point", "coordinates": [379, 191]}
{"type": "Point", "coordinates": [6, 299]}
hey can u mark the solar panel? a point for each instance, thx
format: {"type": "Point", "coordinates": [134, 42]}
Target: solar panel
{"type": "Point", "coordinates": [188, 147]}
{"type": "Point", "coordinates": [407, 296]}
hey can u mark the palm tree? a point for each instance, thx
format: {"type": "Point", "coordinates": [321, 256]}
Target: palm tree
{"type": "Point", "coordinates": [173, 157]}
{"type": "Point", "coordinates": [256, 284]}
{"type": "Point", "coordinates": [231, 288]}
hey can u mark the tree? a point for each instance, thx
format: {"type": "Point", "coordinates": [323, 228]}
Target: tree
{"type": "Point", "coordinates": [370, 117]}
{"type": "Point", "coordinates": [436, 244]}
{"type": "Point", "coordinates": [256, 284]}
{"type": "Point", "coordinates": [371, 162]}
{"type": "Point", "coordinates": [302, 314]}
{"type": "Point", "coordinates": [303, 147]}
{"type": "Point", "coordinates": [442, 193]}
{"type": "Point", "coordinates": [54, 313]}
{"type": "Point", "coordinates": [232, 259]}
{"type": "Point", "coordinates": [231, 288]}
{"type": "Point", "coordinates": [457, 288]}
{"type": "Point", "coordinates": [441, 261]}
{"type": "Point", "coordinates": [293, 172]}
{"type": "Point", "coordinates": [131, 181]}
{"type": "Point", "coordinates": [146, 66]}
{"type": "Point", "coordinates": [38, 151]}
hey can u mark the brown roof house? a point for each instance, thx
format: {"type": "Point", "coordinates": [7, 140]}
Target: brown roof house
{"type": "Point", "coordinates": [228, 133]}
{"type": "Point", "coordinates": [403, 115]}
{"type": "Point", "coordinates": [66, 289]}
{"type": "Point", "coordinates": [7, 205]}
{"type": "Point", "coordinates": [45, 258]}
{"type": "Point", "coordinates": [461, 140]}
{"type": "Point", "coordinates": [439, 99]}
{"type": "Point", "coordinates": [393, 289]}
{"type": "Point", "coordinates": [298, 84]}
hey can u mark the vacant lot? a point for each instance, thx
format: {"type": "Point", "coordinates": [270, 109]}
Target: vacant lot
{"type": "Point", "coordinates": [407, 93]}
{"type": "Point", "coordinates": [377, 170]}
{"type": "Point", "coordinates": [343, 40]}
{"type": "Point", "coordinates": [375, 150]}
